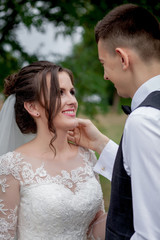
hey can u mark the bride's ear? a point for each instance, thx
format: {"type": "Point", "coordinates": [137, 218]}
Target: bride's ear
{"type": "Point", "coordinates": [32, 109]}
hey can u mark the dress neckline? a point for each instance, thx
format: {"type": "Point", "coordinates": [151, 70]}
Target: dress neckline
{"type": "Point", "coordinates": [41, 168]}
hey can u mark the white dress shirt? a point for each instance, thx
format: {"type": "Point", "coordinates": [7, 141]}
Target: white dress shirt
{"type": "Point", "coordinates": [141, 156]}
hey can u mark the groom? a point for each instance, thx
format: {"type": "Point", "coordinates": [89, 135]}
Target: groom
{"type": "Point", "coordinates": [128, 40]}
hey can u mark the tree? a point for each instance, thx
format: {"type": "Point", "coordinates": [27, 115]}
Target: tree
{"type": "Point", "coordinates": [30, 13]}
{"type": "Point", "coordinates": [86, 67]}
{"type": "Point", "coordinates": [68, 14]}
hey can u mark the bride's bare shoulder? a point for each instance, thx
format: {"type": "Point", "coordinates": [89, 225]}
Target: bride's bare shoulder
{"type": "Point", "coordinates": [26, 149]}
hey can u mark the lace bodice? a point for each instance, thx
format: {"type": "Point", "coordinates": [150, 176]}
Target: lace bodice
{"type": "Point", "coordinates": [37, 205]}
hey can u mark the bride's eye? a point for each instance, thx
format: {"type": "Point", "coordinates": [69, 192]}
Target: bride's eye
{"type": "Point", "coordinates": [61, 92]}
{"type": "Point", "coordinates": [73, 92]}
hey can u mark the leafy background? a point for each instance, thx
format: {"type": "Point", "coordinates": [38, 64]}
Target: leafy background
{"type": "Point", "coordinates": [66, 16]}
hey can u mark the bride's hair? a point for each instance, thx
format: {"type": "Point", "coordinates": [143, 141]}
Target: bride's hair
{"type": "Point", "coordinates": [29, 85]}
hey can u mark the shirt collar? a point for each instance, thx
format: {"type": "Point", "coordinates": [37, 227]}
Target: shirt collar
{"type": "Point", "coordinates": [144, 90]}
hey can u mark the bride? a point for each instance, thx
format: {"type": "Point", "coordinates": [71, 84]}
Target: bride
{"type": "Point", "coordinates": [48, 188]}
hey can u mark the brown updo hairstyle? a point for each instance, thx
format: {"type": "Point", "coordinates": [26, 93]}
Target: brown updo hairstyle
{"type": "Point", "coordinates": [29, 85]}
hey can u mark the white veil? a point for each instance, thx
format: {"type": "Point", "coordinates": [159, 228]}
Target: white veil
{"type": "Point", "coordinates": [10, 134]}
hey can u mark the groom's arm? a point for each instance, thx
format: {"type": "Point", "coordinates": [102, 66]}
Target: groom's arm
{"type": "Point", "coordinates": [105, 163]}
{"type": "Point", "coordinates": [87, 135]}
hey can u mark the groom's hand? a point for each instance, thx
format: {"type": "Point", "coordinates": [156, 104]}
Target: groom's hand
{"type": "Point", "coordinates": [87, 135]}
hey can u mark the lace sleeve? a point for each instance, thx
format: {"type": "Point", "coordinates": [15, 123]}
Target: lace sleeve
{"type": "Point", "coordinates": [97, 227]}
{"type": "Point", "coordinates": [9, 198]}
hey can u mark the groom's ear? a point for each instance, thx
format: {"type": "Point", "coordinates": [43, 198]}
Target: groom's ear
{"type": "Point", "coordinates": [123, 57]}
{"type": "Point", "coordinates": [32, 109]}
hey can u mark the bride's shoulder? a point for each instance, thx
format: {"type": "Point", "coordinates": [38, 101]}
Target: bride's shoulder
{"type": "Point", "coordinates": [9, 161]}
{"type": "Point", "coordinates": [10, 156]}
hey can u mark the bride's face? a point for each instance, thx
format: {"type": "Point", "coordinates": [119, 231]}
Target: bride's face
{"type": "Point", "coordinates": [66, 117]}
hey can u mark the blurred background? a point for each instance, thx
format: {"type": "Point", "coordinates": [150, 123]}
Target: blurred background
{"type": "Point", "coordinates": [62, 31]}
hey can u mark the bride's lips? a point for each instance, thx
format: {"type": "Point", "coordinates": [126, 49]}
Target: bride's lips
{"type": "Point", "coordinates": [69, 112]}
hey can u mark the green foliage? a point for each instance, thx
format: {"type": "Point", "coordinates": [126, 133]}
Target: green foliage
{"type": "Point", "coordinates": [10, 63]}
{"type": "Point", "coordinates": [15, 13]}
{"type": "Point", "coordinates": [68, 15]}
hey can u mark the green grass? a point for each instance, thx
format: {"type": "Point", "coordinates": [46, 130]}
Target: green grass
{"type": "Point", "coordinates": [111, 125]}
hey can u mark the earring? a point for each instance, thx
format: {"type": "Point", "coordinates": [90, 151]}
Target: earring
{"type": "Point", "coordinates": [37, 114]}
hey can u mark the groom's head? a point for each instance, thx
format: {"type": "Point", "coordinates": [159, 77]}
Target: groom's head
{"type": "Point", "coordinates": [128, 41]}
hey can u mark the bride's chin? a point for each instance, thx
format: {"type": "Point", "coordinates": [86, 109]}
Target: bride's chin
{"type": "Point", "coordinates": [73, 124]}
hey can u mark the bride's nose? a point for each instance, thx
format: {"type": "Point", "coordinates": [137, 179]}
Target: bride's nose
{"type": "Point", "coordinates": [71, 99]}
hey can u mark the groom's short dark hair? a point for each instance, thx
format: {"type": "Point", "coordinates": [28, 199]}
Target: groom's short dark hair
{"type": "Point", "coordinates": [131, 26]}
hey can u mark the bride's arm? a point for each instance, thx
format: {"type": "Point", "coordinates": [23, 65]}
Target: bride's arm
{"type": "Point", "coordinates": [97, 228]}
{"type": "Point", "coordinates": [9, 200]}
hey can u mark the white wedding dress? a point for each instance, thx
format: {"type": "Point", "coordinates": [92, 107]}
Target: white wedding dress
{"type": "Point", "coordinates": [35, 205]}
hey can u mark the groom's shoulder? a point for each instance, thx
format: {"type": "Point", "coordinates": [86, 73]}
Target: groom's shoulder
{"type": "Point", "coordinates": [143, 116]}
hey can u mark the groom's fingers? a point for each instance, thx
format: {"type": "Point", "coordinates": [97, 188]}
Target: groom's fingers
{"type": "Point", "coordinates": [71, 133]}
{"type": "Point", "coordinates": [83, 122]}
{"type": "Point", "coordinates": [71, 139]}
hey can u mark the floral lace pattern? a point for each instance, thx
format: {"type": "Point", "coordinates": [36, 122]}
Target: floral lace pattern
{"type": "Point", "coordinates": [50, 207]}
{"type": "Point", "coordinates": [6, 226]}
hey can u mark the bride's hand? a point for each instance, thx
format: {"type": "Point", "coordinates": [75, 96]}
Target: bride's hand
{"type": "Point", "coordinates": [87, 135]}
{"type": "Point", "coordinates": [97, 227]}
